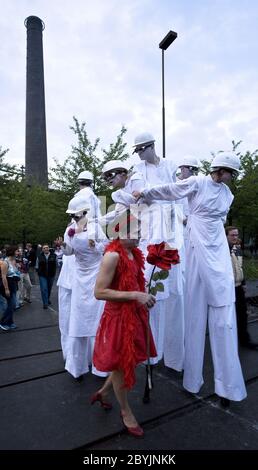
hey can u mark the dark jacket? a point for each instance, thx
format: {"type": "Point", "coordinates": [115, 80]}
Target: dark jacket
{"type": "Point", "coordinates": [31, 257]}
{"type": "Point", "coordinates": [47, 268]}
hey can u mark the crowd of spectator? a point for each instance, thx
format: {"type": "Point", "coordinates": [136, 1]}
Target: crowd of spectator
{"type": "Point", "coordinates": [18, 268]}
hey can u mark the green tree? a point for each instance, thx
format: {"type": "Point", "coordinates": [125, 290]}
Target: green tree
{"type": "Point", "coordinates": [245, 206]}
{"type": "Point", "coordinates": [31, 213]}
{"type": "Point", "coordinates": [84, 157]}
{"type": "Point", "coordinates": [205, 167]}
{"type": "Point", "coordinates": [7, 170]}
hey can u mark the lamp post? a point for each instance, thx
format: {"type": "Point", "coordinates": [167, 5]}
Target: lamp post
{"type": "Point", "coordinates": [163, 45]}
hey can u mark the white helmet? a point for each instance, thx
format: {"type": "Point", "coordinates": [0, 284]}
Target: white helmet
{"type": "Point", "coordinates": [85, 175]}
{"type": "Point", "coordinates": [189, 161]}
{"type": "Point", "coordinates": [114, 165]}
{"type": "Point", "coordinates": [226, 160]}
{"type": "Point", "coordinates": [77, 205]}
{"type": "Point", "coordinates": [144, 138]}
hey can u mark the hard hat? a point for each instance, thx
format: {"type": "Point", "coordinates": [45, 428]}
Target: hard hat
{"type": "Point", "coordinates": [115, 165]}
{"type": "Point", "coordinates": [85, 175]}
{"type": "Point", "coordinates": [226, 160]}
{"type": "Point", "coordinates": [78, 204]}
{"type": "Point", "coordinates": [189, 161]}
{"type": "Point", "coordinates": [144, 138]}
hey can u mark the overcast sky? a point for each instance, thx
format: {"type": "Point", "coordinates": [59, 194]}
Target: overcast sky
{"type": "Point", "coordinates": [103, 65]}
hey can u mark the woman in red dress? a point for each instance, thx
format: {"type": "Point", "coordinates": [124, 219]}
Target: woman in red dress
{"type": "Point", "coordinates": [121, 341]}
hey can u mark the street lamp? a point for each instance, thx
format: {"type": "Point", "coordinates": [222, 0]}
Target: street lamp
{"type": "Point", "coordinates": [164, 44]}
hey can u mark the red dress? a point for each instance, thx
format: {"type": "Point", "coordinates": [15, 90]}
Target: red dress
{"type": "Point", "coordinates": [121, 340]}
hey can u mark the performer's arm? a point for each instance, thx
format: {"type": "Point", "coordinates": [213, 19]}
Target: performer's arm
{"type": "Point", "coordinates": [121, 197]}
{"type": "Point", "coordinates": [110, 217]}
{"type": "Point", "coordinates": [169, 192]}
{"type": "Point", "coordinates": [67, 250]}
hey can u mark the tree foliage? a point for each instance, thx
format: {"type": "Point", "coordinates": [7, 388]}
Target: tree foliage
{"type": "Point", "coordinates": [32, 213]}
{"type": "Point", "coordinates": [245, 206]}
{"type": "Point", "coordinates": [84, 156]}
{"type": "Point", "coordinates": [8, 171]}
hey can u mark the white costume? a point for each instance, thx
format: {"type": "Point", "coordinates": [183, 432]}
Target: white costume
{"type": "Point", "coordinates": [64, 284]}
{"type": "Point", "coordinates": [93, 227]}
{"type": "Point", "coordinates": [123, 198]}
{"type": "Point", "coordinates": [86, 310]}
{"type": "Point", "coordinates": [167, 316]}
{"type": "Point", "coordinates": [88, 194]}
{"type": "Point", "coordinates": [210, 291]}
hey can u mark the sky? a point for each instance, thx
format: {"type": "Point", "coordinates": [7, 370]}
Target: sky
{"type": "Point", "coordinates": [102, 64]}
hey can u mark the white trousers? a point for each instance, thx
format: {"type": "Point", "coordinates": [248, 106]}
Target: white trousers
{"type": "Point", "coordinates": [64, 307]}
{"type": "Point", "coordinates": [167, 326]}
{"type": "Point", "coordinates": [157, 325]}
{"type": "Point", "coordinates": [77, 352]}
{"type": "Point", "coordinates": [229, 382]}
{"type": "Point", "coordinates": [79, 356]}
{"type": "Point", "coordinates": [24, 287]}
{"type": "Point", "coordinates": [174, 332]}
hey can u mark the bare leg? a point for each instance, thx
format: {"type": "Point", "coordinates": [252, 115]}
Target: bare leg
{"type": "Point", "coordinates": [104, 390]}
{"type": "Point", "coordinates": [117, 378]}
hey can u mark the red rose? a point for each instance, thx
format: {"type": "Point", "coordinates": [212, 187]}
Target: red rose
{"type": "Point", "coordinates": [162, 258]}
{"type": "Point", "coordinates": [71, 232]}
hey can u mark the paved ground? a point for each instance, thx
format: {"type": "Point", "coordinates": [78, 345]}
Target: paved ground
{"type": "Point", "coordinates": [44, 408]}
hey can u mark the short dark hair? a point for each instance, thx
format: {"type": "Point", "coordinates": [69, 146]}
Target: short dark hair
{"type": "Point", "coordinates": [10, 250]}
{"type": "Point", "coordinates": [230, 228]}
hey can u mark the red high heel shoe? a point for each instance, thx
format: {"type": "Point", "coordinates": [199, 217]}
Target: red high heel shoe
{"type": "Point", "coordinates": [98, 397]}
{"type": "Point", "coordinates": [135, 431]}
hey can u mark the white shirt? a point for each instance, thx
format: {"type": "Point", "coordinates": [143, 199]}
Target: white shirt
{"type": "Point", "coordinates": [209, 203]}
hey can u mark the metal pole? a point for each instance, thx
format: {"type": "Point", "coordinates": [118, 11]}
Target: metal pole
{"type": "Point", "coordinates": [163, 45]}
{"type": "Point", "coordinates": [163, 108]}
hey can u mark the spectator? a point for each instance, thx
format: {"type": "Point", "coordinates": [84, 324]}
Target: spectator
{"type": "Point", "coordinates": [9, 288]}
{"type": "Point", "coordinates": [59, 256]}
{"type": "Point", "coordinates": [46, 267]}
{"type": "Point", "coordinates": [241, 306]}
{"type": "Point", "coordinates": [25, 282]}
{"type": "Point", "coordinates": [3, 253]}
{"type": "Point", "coordinates": [30, 254]}
{"type": "Point", "coordinates": [18, 260]}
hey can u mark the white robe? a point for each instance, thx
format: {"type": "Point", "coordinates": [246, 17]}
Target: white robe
{"type": "Point", "coordinates": [86, 310]}
{"type": "Point", "coordinates": [94, 229]}
{"type": "Point", "coordinates": [159, 223]}
{"type": "Point", "coordinates": [89, 195]}
{"type": "Point", "coordinates": [210, 292]}
{"type": "Point", "coordinates": [123, 200]}
{"type": "Point", "coordinates": [64, 284]}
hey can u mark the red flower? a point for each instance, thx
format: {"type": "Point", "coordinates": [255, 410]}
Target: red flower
{"type": "Point", "coordinates": [71, 232]}
{"type": "Point", "coordinates": [162, 258]}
